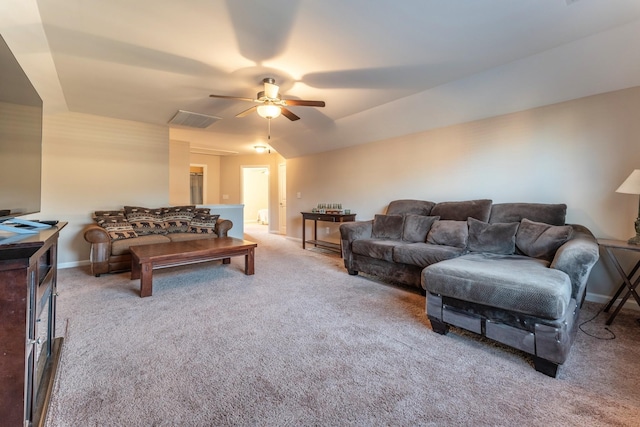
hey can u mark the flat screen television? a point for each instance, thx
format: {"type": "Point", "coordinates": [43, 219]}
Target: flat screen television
{"type": "Point", "coordinates": [20, 139]}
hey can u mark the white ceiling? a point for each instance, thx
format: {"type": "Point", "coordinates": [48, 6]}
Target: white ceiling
{"type": "Point", "coordinates": [384, 67]}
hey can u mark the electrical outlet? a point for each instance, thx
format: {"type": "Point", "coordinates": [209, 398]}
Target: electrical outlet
{"type": "Point", "coordinates": [326, 230]}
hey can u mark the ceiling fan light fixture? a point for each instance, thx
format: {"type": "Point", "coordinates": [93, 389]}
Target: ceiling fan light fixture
{"type": "Point", "coordinates": [260, 148]}
{"type": "Point", "coordinates": [269, 111]}
{"type": "Point", "coordinates": [270, 90]}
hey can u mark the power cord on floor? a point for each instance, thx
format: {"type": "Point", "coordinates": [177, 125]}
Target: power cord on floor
{"type": "Point", "coordinates": [611, 336]}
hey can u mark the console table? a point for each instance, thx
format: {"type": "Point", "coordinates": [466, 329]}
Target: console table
{"type": "Point", "coordinates": [609, 246]}
{"type": "Point", "coordinates": [315, 217]}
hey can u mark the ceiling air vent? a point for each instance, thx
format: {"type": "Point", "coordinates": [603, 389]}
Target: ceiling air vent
{"type": "Point", "coordinates": [193, 120]}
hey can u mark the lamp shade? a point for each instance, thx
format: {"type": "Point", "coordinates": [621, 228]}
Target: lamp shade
{"type": "Point", "coordinates": [269, 111]}
{"type": "Point", "coordinates": [632, 184]}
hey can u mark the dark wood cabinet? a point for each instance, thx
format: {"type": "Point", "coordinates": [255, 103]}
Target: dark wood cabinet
{"type": "Point", "coordinates": [29, 350]}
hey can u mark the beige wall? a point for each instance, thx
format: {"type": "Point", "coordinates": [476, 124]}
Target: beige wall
{"type": "Point", "coordinates": [576, 152]}
{"type": "Point", "coordinates": [91, 163]}
{"type": "Point", "coordinates": [179, 185]}
{"type": "Point", "coordinates": [230, 182]}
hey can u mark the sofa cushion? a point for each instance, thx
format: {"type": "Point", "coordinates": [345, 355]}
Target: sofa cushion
{"type": "Point", "coordinates": [553, 214]}
{"type": "Point", "coordinates": [145, 221]}
{"type": "Point", "coordinates": [424, 254]}
{"type": "Point", "coordinates": [116, 226]}
{"type": "Point", "coordinates": [539, 240]}
{"type": "Point", "coordinates": [387, 227]}
{"type": "Point", "coordinates": [181, 237]}
{"type": "Point", "coordinates": [121, 247]}
{"type": "Point", "coordinates": [460, 211]}
{"type": "Point", "coordinates": [497, 238]}
{"type": "Point", "coordinates": [511, 282]}
{"type": "Point", "coordinates": [375, 248]}
{"type": "Point", "coordinates": [416, 227]}
{"type": "Point", "coordinates": [449, 233]}
{"type": "Point", "coordinates": [203, 224]}
{"type": "Point", "coordinates": [408, 206]}
{"type": "Point", "coordinates": [178, 218]}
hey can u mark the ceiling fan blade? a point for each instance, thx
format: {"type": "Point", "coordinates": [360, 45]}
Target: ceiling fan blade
{"type": "Point", "coordinates": [247, 111]}
{"type": "Point", "coordinates": [303, 103]}
{"type": "Point", "coordinates": [289, 115]}
{"type": "Point", "coordinates": [232, 97]}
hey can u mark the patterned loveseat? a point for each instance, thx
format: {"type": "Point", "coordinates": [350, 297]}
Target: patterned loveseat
{"type": "Point", "coordinates": [115, 231]}
{"type": "Point", "coordinates": [514, 272]}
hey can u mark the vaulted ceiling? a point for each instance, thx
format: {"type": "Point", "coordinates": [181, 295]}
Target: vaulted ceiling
{"type": "Point", "coordinates": [384, 67]}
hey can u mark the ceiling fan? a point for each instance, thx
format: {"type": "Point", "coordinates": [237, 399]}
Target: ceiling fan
{"type": "Point", "coordinates": [270, 105]}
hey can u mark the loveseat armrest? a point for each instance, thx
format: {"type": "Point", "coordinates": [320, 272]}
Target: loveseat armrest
{"type": "Point", "coordinates": [93, 233]}
{"type": "Point", "coordinates": [349, 232]}
{"type": "Point", "coordinates": [576, 257]}
{"type": "Point", "coordinates": [100, 242]}
{"type": "Point", "coordinates": [223, 226]}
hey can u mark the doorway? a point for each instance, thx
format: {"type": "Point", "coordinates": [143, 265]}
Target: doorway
{"type": "Point", "coordinates": [198, 184]}
{"type": "Point", "coordinates": [282, 198]}
{"type": "Point", "coordinates": [255, 194]}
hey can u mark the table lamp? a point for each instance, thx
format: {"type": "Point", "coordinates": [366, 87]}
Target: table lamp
{"type": "Point", "coordinates": [632, 186]}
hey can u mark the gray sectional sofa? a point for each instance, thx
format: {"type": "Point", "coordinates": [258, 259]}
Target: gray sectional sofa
{"type": "Point", "coordinates": [513, 272]}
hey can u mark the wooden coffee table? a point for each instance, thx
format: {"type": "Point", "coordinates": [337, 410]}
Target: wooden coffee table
{"type": "Point", "coordinates": [146, 258]}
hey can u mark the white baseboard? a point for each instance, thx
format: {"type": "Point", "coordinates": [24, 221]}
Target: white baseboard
{"type": "Point", "coordinates": [603, 299]}
{"type": "Point", "coordinates": [73, 264]}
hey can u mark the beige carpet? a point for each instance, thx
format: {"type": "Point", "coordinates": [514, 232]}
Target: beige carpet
{"type": "Point", "coordinates": [302, 343]}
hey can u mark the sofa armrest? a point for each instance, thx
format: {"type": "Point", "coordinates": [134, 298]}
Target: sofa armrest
{"type": "Point", "coordinates": [93, 233]}
{"type": "Point", "coordinates": [355, 230]}
{"type": "Point", "coordinates": [100, 248]}
{"type": "Point", "coordinates": [576, 257]}
{"type": "Point", "coordinates": [350, 231]}
{"type": "Point", "coordinates": [223, 226]}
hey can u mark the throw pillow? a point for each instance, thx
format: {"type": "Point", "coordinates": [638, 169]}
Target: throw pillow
{"type": "Point", "coordinates": [145, 221]}
{"type": "Point", "coordinates": [416, 227]}
{"type": "Point", "coordinates": [178, 218]}
{"type": "Point", "coordinates": [498, 238]}
{"type": "Point", "coordinates": [540, 240]}
{"type": "Point", "coordinates": [203, 224]}
{"type": "Point", "coordinates": [109, 213]}
{"type": "Point", "coordinates": [460, 211]}
{"type": "Point", "coordinates": [116, 226]}
{"type": "Point", "coordinates": [387, 226]}
{"type": "Point", "coordinates": [449, 233]}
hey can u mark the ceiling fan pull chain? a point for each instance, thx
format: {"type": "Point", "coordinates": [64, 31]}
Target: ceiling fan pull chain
{"type": "Point", "coordinates": [269, 126]}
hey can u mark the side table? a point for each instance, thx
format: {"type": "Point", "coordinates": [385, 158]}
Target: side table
{"type": "Point", "coordinates": [315, 217]}
{"type": "Point", "coordinates": [610, 246]}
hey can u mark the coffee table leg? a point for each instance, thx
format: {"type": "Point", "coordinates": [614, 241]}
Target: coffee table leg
{"type": "Point", "coordinates": [146, 279]}
{"type": "Point", "coordinates": [135, 268]}
{"type": "Point", "coordinates": [249, 261]}
{"type": "Point", "coordinates": [226, 260]}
